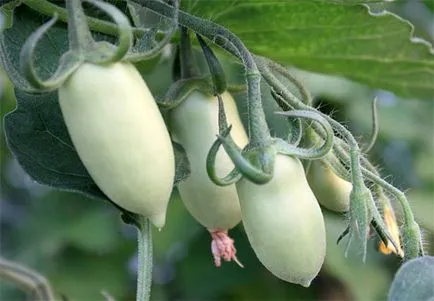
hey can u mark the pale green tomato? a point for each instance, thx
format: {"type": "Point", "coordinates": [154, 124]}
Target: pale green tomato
{"type": "Point", "coordinates": [331, 191]}
{"type": "Point", "coordinates": [120, 136]}
{"type": "Point", "coordinates": [194, 125]}
{"type": "Point", "coordinates": [284, 222]}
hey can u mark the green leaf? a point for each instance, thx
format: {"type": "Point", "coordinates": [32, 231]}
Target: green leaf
{"type": "Point", "coordinates": [37, 136]}
{"type": "Point", "coordinates": [330, 38]}
{"type": "Point", "coordinates": [414, 281]}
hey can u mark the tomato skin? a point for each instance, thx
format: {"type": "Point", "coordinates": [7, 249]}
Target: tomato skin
{"type": "Point", "coordinates": [120, 136]}
{"type": "Point", "coordinates": [284, 223]}
{"type": "Point", "coordinates": [331, 191]}
{"type": "Point", "coordinates": [194, 125]}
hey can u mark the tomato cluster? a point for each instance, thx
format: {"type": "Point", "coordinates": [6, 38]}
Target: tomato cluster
{"type": "Point", "coordinates": [116, 127]}
{"type": "Point", "coordinates": [126, 145]}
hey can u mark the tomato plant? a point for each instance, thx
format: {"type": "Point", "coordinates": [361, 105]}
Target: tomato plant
{"type": "Point", "coordinates": [113, 103]}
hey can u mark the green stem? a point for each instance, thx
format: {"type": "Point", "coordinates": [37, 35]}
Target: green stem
{"type": "Point", "coordinates": [78, 30]}
{"type": "Point", "coordinates": [375, 127]}
{"type": "Point", "coordinates": [304, 93]}
{"type": "Point", "coordinates": [258, 128]}
{"type": "Point", "coordinates": [47, 8]}
{"type": "Point", "coordinates": [188, 62]}
{"type": "Point", "coordinates": [144, 264]}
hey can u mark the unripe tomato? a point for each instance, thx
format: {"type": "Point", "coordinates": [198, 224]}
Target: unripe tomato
{"type": "Point", "coordinates": [332, 191]}
{"type": "Point", "coordinates": [284, 223]}
{"type": "Point", "coordinates": [120, 136]}
{"type": "Point", "coordinates": [194, 124]}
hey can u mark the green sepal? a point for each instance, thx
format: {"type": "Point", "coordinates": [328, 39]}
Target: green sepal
{"type": "Point", "coordinates": [181, 89]}
{"type": "Point", "coordinates": [360, 219]}
{"type": "Point", "coordinates": [247, 168]}
{"type": "Point", "coordinates": [69, 62]}
{"type": "Point", "coordinates": [104, 52]}
{"type": "Point", "coordinates": [229, 179]}
{"type": "Point", "coordinates": [189, 67]}
{"type": "Point", "coordinates": [242, 164]}
{"type": "Point", "coordinates": [217, 73]}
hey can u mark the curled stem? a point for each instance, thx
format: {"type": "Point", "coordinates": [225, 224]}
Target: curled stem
{"type": "Point", "coordinates": [124, 30]}
{"type": "Point", "coordinates": [232, 177]}
{"type": "Point", "coordinates": [66, 66]}
{"type": "Point", "coordinates": [243, 165]}
{"type": "Point", "coordinates": [313, 153]}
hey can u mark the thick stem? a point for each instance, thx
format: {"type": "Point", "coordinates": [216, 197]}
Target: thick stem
{"type": "Point", "coordinates": [144, 264]}
{"type": "Point", "coordinates": [258, 128]}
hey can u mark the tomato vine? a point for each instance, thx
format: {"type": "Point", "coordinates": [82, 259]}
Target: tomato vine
{"type": "Point", "coordinates": [257, 165]}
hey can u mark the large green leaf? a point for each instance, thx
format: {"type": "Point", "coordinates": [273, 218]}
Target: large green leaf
{"type": "Point", "coordinates": [329, 37]}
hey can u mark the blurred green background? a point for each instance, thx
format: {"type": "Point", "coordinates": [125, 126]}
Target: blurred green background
{"type": "Point", "coordinates": [82, 246]}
